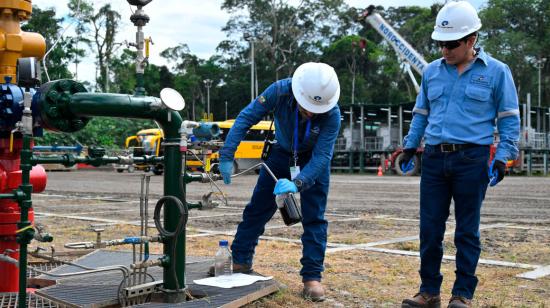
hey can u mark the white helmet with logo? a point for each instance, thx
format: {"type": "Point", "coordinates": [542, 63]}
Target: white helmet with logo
{"type": "Point", "coordinates": [315, 87]}
{"type": "Point", "coordinates": [455, 20]}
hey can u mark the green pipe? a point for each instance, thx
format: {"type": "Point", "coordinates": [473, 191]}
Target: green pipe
{"type": "Point", "coordinates": [70, 160]}
{"type": "Point", "coordinates": [194, 205]}
{"type": "Point", "coordinates": [65, 106]}
{"type": "Point", "coordinates": [25, 232]}
{"type": "Point", "coordinates": [8, 196]}
{"type": "Point", "coordinates": [140, 85]}
{"type": "Point", "coordinates": [173, 186]}
{"type": "Point", "coordinates": [362, 161]}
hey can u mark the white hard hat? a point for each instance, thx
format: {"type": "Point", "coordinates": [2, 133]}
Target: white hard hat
{"type": "Point", "coordinates": [315, 87]}
{"type": "Point", "coordinates": [455, 20]}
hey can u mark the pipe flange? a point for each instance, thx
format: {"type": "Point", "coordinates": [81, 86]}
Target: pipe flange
{"type": "Point", "coordinates": [139, 19]}
{"type": "Point", "coordinates": [54, 99]}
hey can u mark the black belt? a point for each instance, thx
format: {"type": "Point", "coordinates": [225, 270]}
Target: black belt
{"type": "Point", "coordinates": [450, 147]}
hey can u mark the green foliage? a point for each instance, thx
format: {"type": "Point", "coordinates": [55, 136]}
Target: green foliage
{"type": "Point", "coordinates": [286, 34]}
{"type": "Point", "coordinates": [518, 33]}
{"type": "Point", "coordinates": [45, 23]}
{"type": "Point", "coordinates": [106, 132]}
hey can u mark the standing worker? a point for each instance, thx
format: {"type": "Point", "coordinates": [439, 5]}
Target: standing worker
{"type": "Point", "coordinates": [461, 96]}
{"type": "Point", "coordinates": [307, 121]}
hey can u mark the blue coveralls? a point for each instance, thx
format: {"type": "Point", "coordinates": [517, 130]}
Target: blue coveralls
{"type": "Point", "coordinates": [459, 109]}
{"type": "Point", "coordinates": [314, 156]}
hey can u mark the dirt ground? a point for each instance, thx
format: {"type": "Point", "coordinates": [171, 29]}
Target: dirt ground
{"type": "Point", "coordinates": [373, 212]}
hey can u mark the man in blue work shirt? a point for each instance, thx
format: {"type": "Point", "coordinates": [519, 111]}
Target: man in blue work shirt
{"type": "Point", "coordinates": [460, 97]}
{"type": "Point", "coordinates": [307, 122]}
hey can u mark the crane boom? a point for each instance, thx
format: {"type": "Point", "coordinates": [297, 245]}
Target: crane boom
{"type": "Point", "coordinates": [401, 46]}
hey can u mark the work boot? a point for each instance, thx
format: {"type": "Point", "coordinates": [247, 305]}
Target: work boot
{"type": "Point", "coordinates": [237, 268]}
{"type": "Point", "coordinates": [423, 300]}
{"type": "Point", "coordinates": [459, 302]}
{"type": "Point", "coordinates": [313, 291]}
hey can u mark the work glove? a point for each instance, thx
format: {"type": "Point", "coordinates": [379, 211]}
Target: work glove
{"type": "Point", "coordinates": [496, 172]}
{"type": "Point", "coordinates": [407, 163]}
{"type": "Point", "coordinates": [226, 170]}
{"type": "Point", "coordinates": [284, 186]}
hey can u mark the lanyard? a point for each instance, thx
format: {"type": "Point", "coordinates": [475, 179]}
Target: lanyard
{"type": "Point", "coordinates": [295, 139]}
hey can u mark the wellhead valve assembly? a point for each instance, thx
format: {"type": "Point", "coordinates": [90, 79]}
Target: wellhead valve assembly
{"type": "Point", "coordinates": [27, 107]}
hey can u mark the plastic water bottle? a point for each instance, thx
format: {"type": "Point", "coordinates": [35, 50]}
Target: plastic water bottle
{"type": "Point", "coordinates": [224, 260]}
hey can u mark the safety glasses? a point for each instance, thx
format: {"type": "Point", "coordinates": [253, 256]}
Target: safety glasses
{"type": "Point", "coordinates": [450, 45]}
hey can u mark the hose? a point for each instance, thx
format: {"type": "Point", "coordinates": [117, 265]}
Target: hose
{"type": "Point", "coordinates": [184, 216]}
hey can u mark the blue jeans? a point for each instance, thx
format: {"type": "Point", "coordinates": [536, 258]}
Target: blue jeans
{"type": "Point", "coordinates": [262, 206]}
{"type": "Point", "coordinates": [462, 176]}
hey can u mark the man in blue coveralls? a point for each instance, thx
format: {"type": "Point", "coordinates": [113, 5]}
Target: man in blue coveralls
{"type": "Point", "coordinates": [307, 121]}
{"type": "Point", "coordinates": [460, 97]}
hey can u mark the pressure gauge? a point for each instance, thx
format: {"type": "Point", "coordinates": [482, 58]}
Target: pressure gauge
{"type": "Point", "coordinates": [172, 99]}
{"type": "Point", "coordinates": [28, 73]}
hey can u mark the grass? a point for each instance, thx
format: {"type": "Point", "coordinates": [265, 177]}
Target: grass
{"type": "Point", "coordinates": [360, 278]}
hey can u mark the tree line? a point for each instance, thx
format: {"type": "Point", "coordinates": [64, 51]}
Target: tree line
{"type": "Point", "coordinates": [284, 36]}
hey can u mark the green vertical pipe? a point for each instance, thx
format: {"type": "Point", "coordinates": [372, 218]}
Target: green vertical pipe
{"type": "Point", "coordinates": [529, 163]}
{"type": "Point", "coordinates": [25, 204]}
{"type": "Point", "coordinates": [350, 161]}
{"type": "Point", "coordinates": [362, 161]}
{"type": "Point", "coordinates": [173, 186]}
{"type": "Point", "coordinates": [545, 163]}
{"type": "Point", "coordinates": [140, 85]}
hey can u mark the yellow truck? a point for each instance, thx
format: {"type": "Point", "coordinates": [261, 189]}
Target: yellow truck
{"type": "Point", "coordinates": [149, 142]}
{"type": "Point", "coordinates": [249, 151]}
{"type": "Point", "coordinates": [145, 142]}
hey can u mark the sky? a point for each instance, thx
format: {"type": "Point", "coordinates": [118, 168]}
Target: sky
{"type": "Point", "coordinates": [197, 23]}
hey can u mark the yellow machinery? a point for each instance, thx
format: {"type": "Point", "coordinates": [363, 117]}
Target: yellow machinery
{"type": "Point", "coordinates": [149, 142]}
{"type": "Point", "coordinates": [145, 142]}
{"type": "Point", "coordinates": [250, 149]}
{"type": "Point", "coordinates": [15, 43]}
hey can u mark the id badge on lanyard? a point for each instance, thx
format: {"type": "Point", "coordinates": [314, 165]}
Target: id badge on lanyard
{"type": "Point", "coordinates": [295, 170]}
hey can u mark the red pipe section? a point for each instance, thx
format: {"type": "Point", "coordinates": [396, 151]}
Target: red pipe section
{"type": "Point", "coordinates": [10, 179]}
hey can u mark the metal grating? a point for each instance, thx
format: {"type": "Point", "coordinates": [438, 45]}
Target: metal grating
{"type": "Point", "coordinates": [102, 290]}
{"type": "Point", "coordinates": [43, 266]}
{"type": "Point", "coordinates": [82, 295]}
{"type": "Point", "coordinates": [9, 300]}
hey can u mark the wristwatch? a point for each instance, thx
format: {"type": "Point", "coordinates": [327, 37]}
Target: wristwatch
{"type": "Point", "coordinates": [299, 184]}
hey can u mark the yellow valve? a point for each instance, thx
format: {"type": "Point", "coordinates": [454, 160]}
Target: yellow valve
{"type": "Point", "coordinates": [14, 43]}
{"type": "Point", "coordinates": [148, 41]}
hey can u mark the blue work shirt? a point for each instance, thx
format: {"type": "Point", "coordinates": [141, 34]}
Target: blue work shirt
{"type": "Point", "coordinates": [453, 108]}
{"type": "Point", "coordinates": [278, 98]}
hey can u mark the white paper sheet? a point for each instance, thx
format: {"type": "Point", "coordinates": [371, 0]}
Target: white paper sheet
{"type": "Point", "coordinates": [231, 281]}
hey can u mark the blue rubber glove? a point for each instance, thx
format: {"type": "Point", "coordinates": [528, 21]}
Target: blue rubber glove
{"type": "Point", "coordinates": [226, 170]}
{"type": "Point", "coordinates": [407, 163]}
{"type": "Point", "coordinates": [496, 172]}
{"type": "Point", "coordinates": [284, 186]}
{"type": "Point", "coordinates": [407, 167]}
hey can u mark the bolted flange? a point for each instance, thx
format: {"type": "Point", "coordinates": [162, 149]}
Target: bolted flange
{"type": "Point", "coordinates": [54, 99]}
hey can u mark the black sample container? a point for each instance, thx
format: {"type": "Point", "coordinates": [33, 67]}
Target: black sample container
{"type": "Point", "coordinates": [290, 211]}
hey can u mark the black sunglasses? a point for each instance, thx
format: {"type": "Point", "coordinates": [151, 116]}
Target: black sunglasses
{"type": "Point", "coordinates": [450, 45]}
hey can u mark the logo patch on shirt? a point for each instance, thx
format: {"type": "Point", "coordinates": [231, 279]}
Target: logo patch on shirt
{"type": "Point", "coordinates": [261, 99]}
{"type": "Point", "coordinates": [315, 130]}
{"type": "Point", "coordinates": [481, 79]}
